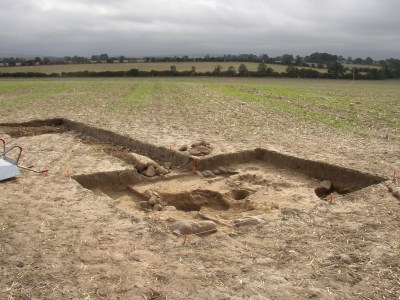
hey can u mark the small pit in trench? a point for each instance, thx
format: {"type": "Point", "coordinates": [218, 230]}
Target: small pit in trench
{"type": "Point", "coordinates": [195, 200]}
{"type": "Point", "coordinates": [240, 194]}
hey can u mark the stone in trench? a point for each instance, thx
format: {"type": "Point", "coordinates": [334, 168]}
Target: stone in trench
{"type": "Point", "coordinates": [169, 208]}
{"type": "Point", "coordinates": [150, 172]}
{"type": "Point", "coordinates": [201, 148]}
{"type": "Point", "coordinates": [148, 194]}
{"type": "Point", "coordinates": [194, 152]}
{"type": "Point", "coordinates": [200, 143]}
{"type": "Point", "coordinates": [208, 173]}
{"type": "Point", "coordinates": [204, 150]}
{"type": "Point", "coordinates": [223, 170]}
{"type": "Point", "coordinates": [144, 204]}
{"type": "Point", "coordinates": [161, 171]}
{"type": "Point", "coordinates": [141, 162]}
{"type": "Point", "coordinates": [215, 179]}
{"type": "Point", "coordinates": [157, 207]}
{"type": "Point", "coordinates": [153, 201]}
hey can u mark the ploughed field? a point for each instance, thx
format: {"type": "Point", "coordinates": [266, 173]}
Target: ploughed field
{"type": "Point", "coordinates": [80, 231]}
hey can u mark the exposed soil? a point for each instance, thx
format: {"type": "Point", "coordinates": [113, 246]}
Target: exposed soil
{"type": "Point", "coordinates": [21, 131]}
{"type": "Point", "coordinates": [60, 240]}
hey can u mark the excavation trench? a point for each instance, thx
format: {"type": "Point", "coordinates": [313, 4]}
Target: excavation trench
{"type": "Point", "coordinates": [255, 177]}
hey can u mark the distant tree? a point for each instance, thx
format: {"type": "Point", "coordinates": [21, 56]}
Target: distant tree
{"type": "Point", "coordinates": [104, 56]}
{"type": "Point", "coordinates": [46, 61]}
{"type": "Point", "coordinates": [263, 70]}
{"type": "Point", "coordinates": [38, 60]}
{"type": "Point", "coordinates": [217, 70]}
{"type": "Point", "coordinates": [358, 61]}
{"type": "Point", "coordinates": [95, 58]}
{"type": "Point", "coordinates": [292, 72]}
{"type": "Point", "coordinates": [242, 70]}
{"type": "Point", "coordinates": [173, 69]}
{"type": "Point", "coordinates": [394, 68]}
{"type": "Point", "coordinates": [193, 71]}
{"type": "Point", "coordinates": [121, 59]}
{"type": "Point", "coordinates": [231, 71]}
{"type": "Point", "coordinates": [79, 59]}
{"type": "Point", "coordinates": [298, 61]}
{"type": "Point", "coordinates": [369, 61]}
{"type": "Point", "coordinates": [336, 69]}
{"type": "Point", "coordinates": [322, 58]}
{"type": "Point", "coordinates": [287, 59]}
{"type": "Point", "coordinates": [264, 58]}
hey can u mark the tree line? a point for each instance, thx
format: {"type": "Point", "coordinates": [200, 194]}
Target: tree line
{"type": "Point", "coordinates": [318, 60]}
{"type": "Point", "coordinates": [335, 70]}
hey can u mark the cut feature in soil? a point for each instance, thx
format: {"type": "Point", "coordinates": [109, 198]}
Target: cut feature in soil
{"type": "Point", "coordinates": [304, 172]}
{"type": "Point", "coordinates": [195, 200]}
{"type": "Point", "coordinates": [33, 128]}
{"type": "Point", "coordinates": [240, 194]}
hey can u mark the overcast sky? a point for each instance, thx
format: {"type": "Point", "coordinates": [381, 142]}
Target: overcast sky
{"type": "Point", "coordinates": [357, 28]}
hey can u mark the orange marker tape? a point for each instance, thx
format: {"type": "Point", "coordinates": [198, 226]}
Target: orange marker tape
{"type": "Point", "coordinates": [331, 198]}
{"type": "Point", "coordinates": [67, 173]}
{"type": "Point", "coordinates": [185, 237]}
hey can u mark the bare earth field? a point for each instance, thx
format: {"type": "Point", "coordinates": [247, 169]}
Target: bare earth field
{"type": "Point", "coordinates": [61, 240]}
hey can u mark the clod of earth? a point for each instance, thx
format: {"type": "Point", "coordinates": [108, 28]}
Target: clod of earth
{"type": "Point", "coordinates": [249, 221]}
{"type": "Point", "coordinates": [394, 190]}
{"type": "Point", "coordinates": [290, 211]}
{"type": "Point", "coordinates": [200, 148]}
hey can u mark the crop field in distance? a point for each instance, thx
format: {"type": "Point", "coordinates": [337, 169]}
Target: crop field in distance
{"type": "Point", "coordinates": [364, 107]}
{"type": "Point", "coordinates": [142, 66]}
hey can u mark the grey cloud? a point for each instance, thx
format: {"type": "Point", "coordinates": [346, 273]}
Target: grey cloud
{"type": "Point", "coordinates": [159, 27]}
